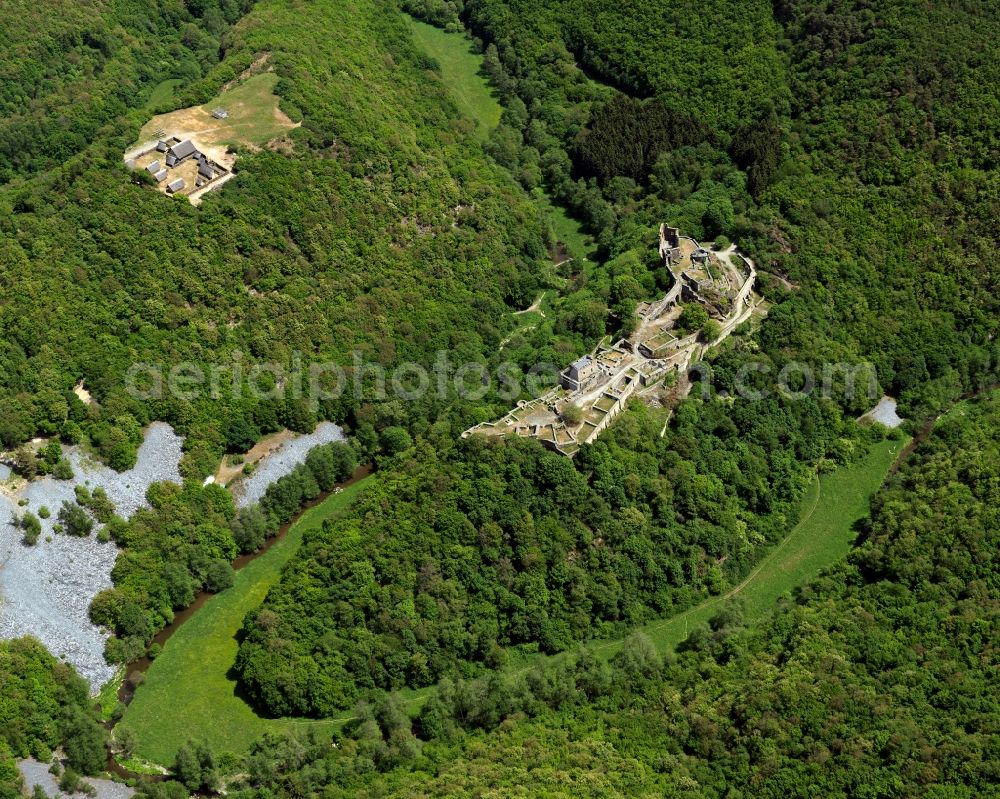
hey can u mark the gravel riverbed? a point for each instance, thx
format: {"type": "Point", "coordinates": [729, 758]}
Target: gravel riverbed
{"type": "Point", "coordinates": [36, 773]}
{"type": "Point", "coordinates": [45, 590]}
{"type": "Point", "coordinates": [885, 412]}
{"type": "Point", "coordinates": [249, 489]}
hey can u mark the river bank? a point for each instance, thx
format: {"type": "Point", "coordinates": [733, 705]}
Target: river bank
{"type": "Point", "coordinates": [140, 666]}
{"type": "Point", "coordinates": [46, 589]}
{"type": "Point", "coordinates": [187, 690]}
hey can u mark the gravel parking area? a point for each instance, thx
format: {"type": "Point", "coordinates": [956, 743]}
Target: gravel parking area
{"type": "Point", "coordinates": [45, 590]}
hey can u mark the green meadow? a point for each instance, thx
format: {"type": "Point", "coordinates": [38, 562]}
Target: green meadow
{"type": "Point", "coordinates": [163, 92]}
{"type": "Point", "coordinates": [460, 71]}
{"type": "Point", "coordinates": [188, 688]}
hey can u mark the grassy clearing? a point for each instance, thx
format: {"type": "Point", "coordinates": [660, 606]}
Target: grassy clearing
{"type": "Point", "coordinates": [566, 229]}
{"type": "Point", "coordinates": [254, 116]}
{"type": "Point", "coordinates": [138, 765]}
{"type": "Point", "coordinates": [460, 71]}
{"type": "Point", "coordinates": [471, 92]}
{"type": "Point", "coordinates": [959, 410]}
{"type": "Point", "coordinates": [187, 692]}
{"type": "Point", "coordinates": [253, 110]}
{"type": "Point", "coordinates": [528, 320]}
{"type": "Point", "coordinates": [107, 698]}
{"type": "Point", "coordinates": [163, 92]}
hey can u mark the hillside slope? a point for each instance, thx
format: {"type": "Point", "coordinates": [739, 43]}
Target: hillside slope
{"type": "Point", "coordinates": [878, 679]}
{"type": "Point", "coordinates": [852, 148]}
{"type": "Point", "coordinates": [67, 68]}
{"type": "Point", "coordinates": [384, 231]}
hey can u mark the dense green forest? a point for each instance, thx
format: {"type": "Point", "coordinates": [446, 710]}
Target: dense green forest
{"type": "Point", "coordinates": [386, 232]}
{"type": "Point", "coordinates": [44, 704]}
{"type": "Point", "coordinates": [69, 68]}
{"type": "Point", "coordinates": [449, 561]}
{"type": "Point", "coordinates": [850, 148]}
{"type": "Point", "coordinates": [877, 679]}
{"type": "Point", "coordinates": [894, 271]}
{"type": "Point", "coordinates": [360, 612]}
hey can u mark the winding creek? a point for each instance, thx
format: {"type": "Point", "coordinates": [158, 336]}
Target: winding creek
{"type": "Point", "coordinates": [141, 665]}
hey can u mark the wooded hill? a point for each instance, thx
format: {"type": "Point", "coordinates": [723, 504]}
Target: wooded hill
{"type": "Point", "coordinates": [456, 563]}
{"type": "Point", "coordinates": [848, 149]}
{"type": "Point", "coordinates": [868, 292]}
{"type": "Point", "coordinates": [386, 232]}
{"type": "Point", "coordinates": [877, 679]}
{"type": "Point", "coordinates": [851, 149]}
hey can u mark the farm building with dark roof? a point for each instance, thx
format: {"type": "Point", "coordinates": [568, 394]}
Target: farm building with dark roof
{"type": "Point", "coordinates": [182, 150]}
